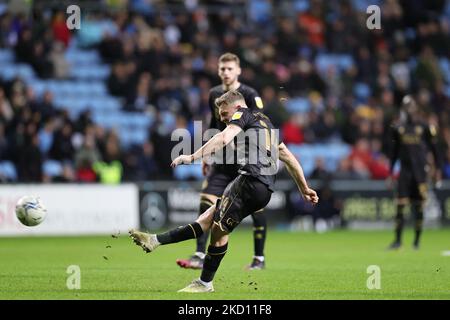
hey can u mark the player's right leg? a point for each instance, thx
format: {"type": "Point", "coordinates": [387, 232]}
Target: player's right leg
{"type": "Point", "coordinates": [242, 196]}
{"type": "Point", "coordinates": [402, 199]}
{"type": "Point", "coordinates": [399, 223]}
{"type": "Point", "coordinates": [417, 205]}
{"type": "Point", "coordinates": [149, 242]}
{"type": "Point", "coordinates": [228, 215]}
{"type": "Point", "coordinates": [212, 189]}
{"type": "Point", "coordinates": [216, 251]}
{"type": "Point", "coordinates": [417, 209]}
{"type": "Point", "coordinates": [259, 240]}
{"type": "Point", "coordinates": [196, 260]}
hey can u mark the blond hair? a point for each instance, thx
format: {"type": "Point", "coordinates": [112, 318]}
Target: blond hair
{"type": "Point", "coordinates": [229, 98]}
{"type": "Point", "coordinates": [226, 57]}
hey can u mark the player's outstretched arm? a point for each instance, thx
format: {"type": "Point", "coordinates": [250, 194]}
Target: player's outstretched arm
{"type": "Point", "coordinates": [431, 139]}
{"type": "Point", "coordinates": [296, 172]}
{"type": "Point", "coordinates": [395, 149]}
{"type": "Point", "coordinates": [217, 142]}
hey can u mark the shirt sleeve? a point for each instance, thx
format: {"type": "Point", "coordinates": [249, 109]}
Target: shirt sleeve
{"type": "Point", "coordinates": [395, 147]}
{"type": "Point", "coordinates": [240, 118]}
{"type": "Point", "coordinates": [254, 101]}
{"type": "Point", "coordinates": [212, 107]}
{"type": "Point", "coordinates": [431, 139]}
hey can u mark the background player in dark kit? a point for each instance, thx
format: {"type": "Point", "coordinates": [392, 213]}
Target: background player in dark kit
{"type": "Point", "coordinates": [412, 139]}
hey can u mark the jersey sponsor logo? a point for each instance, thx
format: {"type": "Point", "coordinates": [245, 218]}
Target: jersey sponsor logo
{"type": "Point", "coordinates": [419, 130]}
{"type": "Point", "coordinates": [259, 102]}
{"type": "Point", "coordinates": [410, 139]}
{"type": "Point", "coordinates": [433, 130]}
{"type": "Point", "coordinates": [236, 115]}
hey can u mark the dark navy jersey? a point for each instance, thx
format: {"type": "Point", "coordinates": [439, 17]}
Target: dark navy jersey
{"type": "Point", "coordinates": [411, 142]}
{"type": "Point", "coordinates": [252, 100]}
{"type": "Point", "coordinates": [257, 145]}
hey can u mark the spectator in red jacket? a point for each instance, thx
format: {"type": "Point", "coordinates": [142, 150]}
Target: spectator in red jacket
{"type": "Point", "coordinates": [60, 30]}
{"type": "Point", "coordinates": [292, 131]}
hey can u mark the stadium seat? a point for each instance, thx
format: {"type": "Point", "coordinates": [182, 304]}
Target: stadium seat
{"type": "Point", "coordinates": [444, 63]}
{"type": "Point", "coordinates": [301, 5]}
{"type": "Point", "coordinates": [10, 71]}
{"type": "Point", "coordinates": [331, 153]}
{"type": "Point", "coordinates": [168, 119]}
{"type": "Point", "coordinates": [298, 105]}
{"type": "Point", "coordinates": [6, 56]}
{"type": "Point", "coordinates": [341, 61]}
{"type": "Point", "coordinates": [362, 91]}
{"type": "Point", "coordinates": [186, 172]}
{"type": "Point", "coordinates": [52, 168]}
{"type": "Point", "coordinates": [38, 86]}
{"type": "Point", "coordinates": [412, 63]}
{"type": "Point", "coordinates": [362, 5]}
{"type": "Point", "coordinates": [447, 91]}
{"type": "Point", "coordinates": [86, 72]}
{"type": "Point", "coordinates": [259, 11]}
{"type": "Point", "coordinates": [95, 87]}
{"type": "Point", "coordinates": [8, 170]}
{"type": "Point", "coordinates": [138, 137]}
{"type": "Point", "coordinates": [78, 57]}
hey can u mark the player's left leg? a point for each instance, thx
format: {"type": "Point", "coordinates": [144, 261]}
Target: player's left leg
{"type": "Point", "coordinates": [243, 195]}
{"type": "Point", "coordinates": [419, 196]}
{"type": "Point", "coordinates": [214, 255]}
{"type": "Point", "coordinates": [259, 239]}
{"type": "Point", "coordinates": [399, 224]}
{"type": "Point", "coordinates": [149, 242]}
{"type": "Point", "coordinates": [403, 194]}
{"type": "Point", "coordinates": [417, 209]}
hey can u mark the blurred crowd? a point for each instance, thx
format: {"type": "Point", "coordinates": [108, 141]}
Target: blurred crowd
{"type": "Point", "coordinates": [163, 58]}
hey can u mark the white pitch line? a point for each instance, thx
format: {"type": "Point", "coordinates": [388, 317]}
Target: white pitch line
{"type": "Point", "coordinates": [445, 253]}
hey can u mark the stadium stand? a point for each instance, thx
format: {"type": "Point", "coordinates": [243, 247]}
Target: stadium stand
{"type": "Point", "coordinates": [134, 73]}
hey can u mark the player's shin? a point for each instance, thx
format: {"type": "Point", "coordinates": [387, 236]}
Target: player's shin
{"type": "Point", "coordinates": [399, 222]}
{"type": "Point", "coordinates": [205, 204]}
{"type": "Point", "coordinates": [212, 261]}
{"type": "Point", "coordinates": [190, 231]}
{"type": "Point", "coordinates": [417, 208]}
{"type": "Point", "coordinates": [259, 233]}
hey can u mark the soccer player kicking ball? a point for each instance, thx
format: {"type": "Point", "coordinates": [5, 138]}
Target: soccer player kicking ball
{"type": "Point", "coordinates": [218, 176]}
{"type": "Point", "coordinates": [248, 192]}
{"type": "Point", "coordinates": [411, 140]}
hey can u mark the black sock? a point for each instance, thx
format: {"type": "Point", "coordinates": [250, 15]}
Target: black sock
{"type": "Point", "coordinates": [212, 261]}
{"type": "Point", "coordinates": [190, 231]}
{"type": "Point", "coordinates": [399, 221]}
{"type": "Point", "coordinates": [259, 232]}
{"type": "Point", "coordinates": [205, 204]}
{"type": "Point", "coordinates": [418, 215]}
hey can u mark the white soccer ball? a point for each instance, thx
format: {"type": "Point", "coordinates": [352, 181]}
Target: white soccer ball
{"type": "Point", "coordinates": [30, 210]}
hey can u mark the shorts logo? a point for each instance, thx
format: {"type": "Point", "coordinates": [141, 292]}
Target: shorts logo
{"type": "Point", "coordinates": [230, 222]}
{"type": "Point", "coordinates": [259, 102]}
{"type": "Point", "coordinates": [236, 115]}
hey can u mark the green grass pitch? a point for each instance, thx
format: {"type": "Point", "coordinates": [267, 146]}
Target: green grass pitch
{"type": "Point", "coordinates": [299, 266]}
